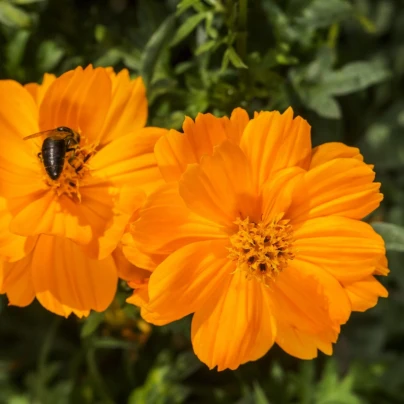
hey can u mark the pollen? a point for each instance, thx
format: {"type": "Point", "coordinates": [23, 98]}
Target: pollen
{"type": "Point", "coordinates": [262, 250]}
{"type": "Point", "coordinates": [76, 168]}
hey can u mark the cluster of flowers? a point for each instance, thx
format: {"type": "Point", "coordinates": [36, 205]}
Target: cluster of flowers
{"type": "Point", "coordinates": [237, 220]}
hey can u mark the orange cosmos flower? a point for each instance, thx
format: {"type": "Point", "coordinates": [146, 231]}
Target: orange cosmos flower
{"type": "Point", "coordinates": [57, 235]}
{"type": "Point", "coordinates": [259, 236]}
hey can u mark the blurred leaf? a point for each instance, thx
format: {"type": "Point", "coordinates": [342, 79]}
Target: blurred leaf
{"type": "Point", "coordinates": [259, 395]}
{"type": "Point", "coordinates": [15, 51]}
{"type": "Point", "coordinates": [183, 5]}
{"type": "Point", "coordinates": [49, 55]}
{"type": "Point", "coordinates": [392, 234]}
{"type": "Point", "coordinates": [354, 77]}
{"type": "Point", "coordinates": [91, 324]}
{"type": "Point", "coordinates": [27, 1]}
{"type": "Point", "coordinates": [154, 47]}
{"type": "Point", "coordinates": [187, 27]}
{"type": "Point", "coordinates": [13, 16]}
{"type": "Point", "coordinates": [322, 103]}
{"type": "Point", "coordinates": [206, 46]}
{"type": "Point", "coordinates": [232, 56]}
{"type": "Point", "coordinates": [320, 13]}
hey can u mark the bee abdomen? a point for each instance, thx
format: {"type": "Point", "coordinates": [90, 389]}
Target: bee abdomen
{"type": "Point", "coordinates": [53, 155]}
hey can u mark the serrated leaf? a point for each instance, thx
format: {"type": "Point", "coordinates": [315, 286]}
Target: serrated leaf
{"type": "Point", "coordinates": [235, 59]}
{"type": "Point", "coordinates": [354, 77]}
{"type": "Point", "coordinates": [393, 235]}
{"type": "Point", "coordinates": [13, 16]}
{"type": "Point", "coordinates": [154, 47]}
{"type": "Point", "coordinates": [91, 324]}
{"type": "Point", "coordinates": [187, 27]}
{"type": "Point", "coordinates": [324, 104]}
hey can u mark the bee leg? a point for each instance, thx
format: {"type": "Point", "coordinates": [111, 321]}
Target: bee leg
{"type": "Point", "coordinates": [39, 156]}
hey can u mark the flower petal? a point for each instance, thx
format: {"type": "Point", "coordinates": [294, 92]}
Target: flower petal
{"type": "Point", "coordinates": [200, 269]}
{"type": "Point", "coordinates": [12, 247]}
{"type": "Point", "coordinates": [16, 281]}
{"type": "Point", "coordinates": [128, 110]}
{"type": "Point", "coordinates": [300, 344]}
{"type": "Point", "coordinates": [166, 224]}
{"type": "Point", "coordinates": [235, 327]}
{"type": "Point", "coordinates": [176, 150]}
{"type": "Point", "coordinates": [78, 99]}
{"type": "Point", "coordinates": [126, 270]}
{"type": "Point", "coordinates": [346, 248]}
{"type": "Point", "coordinates": [219, 188]}
{"type": "Point", "coordinates": [272, 142]}
{"type": "Point", "coordinates": [277, 193]}
{"type": "Point", "coordinates": [38, 90]}
{"type": "Point", "coordinates": [130, 160]}
{"type": "Point", "coordinates": [364, 293]}
{"type": "Point", "coordinates": [67, 281]}
{"type": "Point", "coordinates": [333, 150]}
{"type": "Point", "coordinates": [342, 187]}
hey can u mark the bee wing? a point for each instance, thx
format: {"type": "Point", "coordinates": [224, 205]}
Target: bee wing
{"type": "Point", "coordinates": [52, 132]}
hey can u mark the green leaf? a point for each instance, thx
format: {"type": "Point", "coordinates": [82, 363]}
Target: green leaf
{"type": "Point", "coordinates": [206, 46]}
{"type": "Point", "coordinates": [13, 16]}
{"type": "Point", "coordinates": [187, 27]}
{"type": "Point", "coordinates": [49, 55]}
{"type": "Point", "coordinates": [320, 13]}
{"type": "Point", "coordinates": [154, 47]}
{"type": "Point", "coordinates": [322, 103]}
{"type": "Point", "coordinates": [354, 77]}
{"type": "Point", "coordinates": [15, 50]}
{"type": "Point", "coordinates": [235, 59]}
{"type": "Point", "coordinates": [185, 4]}
{"type": "Point", "coordinates": [26, 1]}
{"type": "Point", "coordinates": [91, 324]}
{"type": "Point", "coordinates": [392, 234]}
{"type": "Point", "coordinates": [259, 395]}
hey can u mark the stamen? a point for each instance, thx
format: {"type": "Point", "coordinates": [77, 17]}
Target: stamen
{"type": "Point", "coordinates": [261, 250]}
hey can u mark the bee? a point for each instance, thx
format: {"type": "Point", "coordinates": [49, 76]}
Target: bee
{"type": "Point", "coordinates": [57, 143]}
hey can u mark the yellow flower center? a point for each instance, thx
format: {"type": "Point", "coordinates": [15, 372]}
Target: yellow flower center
{"type": "Point", "coordinates": [261, 250]}
{"type": "Point", "coordinates": [76, 167]}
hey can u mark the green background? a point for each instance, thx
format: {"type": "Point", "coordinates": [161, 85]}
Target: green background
{"type": "Point", "coordinates": [339, 63]}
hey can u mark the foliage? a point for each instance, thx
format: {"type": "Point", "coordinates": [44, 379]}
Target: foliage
{"type": "Point", "coordinates": [339, 63]}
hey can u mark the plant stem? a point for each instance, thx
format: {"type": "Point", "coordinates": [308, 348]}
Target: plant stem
{"type": "Point", "coordinates": [242, 29]}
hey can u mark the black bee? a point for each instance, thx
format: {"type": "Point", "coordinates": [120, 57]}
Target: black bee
{"type": "Point", "coordinates": [57, 143]}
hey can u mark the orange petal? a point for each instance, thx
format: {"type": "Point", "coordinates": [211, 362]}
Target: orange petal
{"type": "Point", "coordinates": [38, 90]}
{"type": "Point", "coordinates": [128, 110]}
{"type": "Point", "coordinates": [238, 121]}
{"type": "Point", "coordinates": [346, 248]}
{"type": "Point", "coordinates": [126, 270]}
{"type": "Point", "coordinates": [300, 344]}
{"type": "Point", "coordinates": [200, 269]}
{"type": "Point", "coordinates": [277, 193]}
{"type": "Point", "coordinates": [67, 281]}
{"type": "Point", "coordinates": [364, 294]}
{"type": "Point", "coordinates": [302, 301]}
{"type": "Point", "coordinates": [166, 224]}
{"type": "Point", "coordinates": [333, 150]}
{"type": "Point", "coordinates": [176, 150]}
{"type": "Point", "coordinates": [50, 214]}
{"type": "Point", "coordinates": [381, 268]}
{"type": "Point", "coordinates": [219, 188]}
{"type": "Point", "coordinates": [342, 187]}
{"type": "Point", "coordinates": [130, 249]}
{"type": "Point", "coordinates": [130, 160]}
{"type": "Point", "coordinates": [12, 247]}
{"type": "Point", "coordinates": [78, 99]}
{"type": "Point", "coordinates": [272, 142]}
{"type": "Point", "coordinates": [16, 281]}
{"type": "Point", "coordinates": [235, 327]}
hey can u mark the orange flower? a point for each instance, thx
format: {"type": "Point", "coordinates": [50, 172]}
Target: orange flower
{"type": "Point", "coordinates": [57, 236]}
{"type": "Point", "coordinates": [259, 236]}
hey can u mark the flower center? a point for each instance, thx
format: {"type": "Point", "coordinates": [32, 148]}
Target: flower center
{"type": "Point", "coordinates": [76, 167]}
{"type": "Point", "coordinates": [261, 250]}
